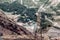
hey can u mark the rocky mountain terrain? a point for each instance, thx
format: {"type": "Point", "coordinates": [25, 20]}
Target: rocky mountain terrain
{"type": "Point", "coordinates": [9, 27]}
{"type": "Point", "coordinates": [20, 21]}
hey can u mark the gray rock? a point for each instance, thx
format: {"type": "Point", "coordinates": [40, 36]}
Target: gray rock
{"type": "Point", "coordinates": [1, 38]}
{"type": "Point", "coordinates": [53, 32]}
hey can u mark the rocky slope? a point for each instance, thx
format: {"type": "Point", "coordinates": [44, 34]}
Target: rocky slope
{"type": "Point", "coordinates": [8, 26]}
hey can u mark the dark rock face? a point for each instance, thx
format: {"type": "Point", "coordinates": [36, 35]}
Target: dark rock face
{"type": "Point", "coordinates": [1, 34]}
{"type": "Point", "coordinates": [9, 26]}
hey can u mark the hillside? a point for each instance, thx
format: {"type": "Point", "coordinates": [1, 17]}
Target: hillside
{"type": "Point", "coordinates": [9, 27]}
